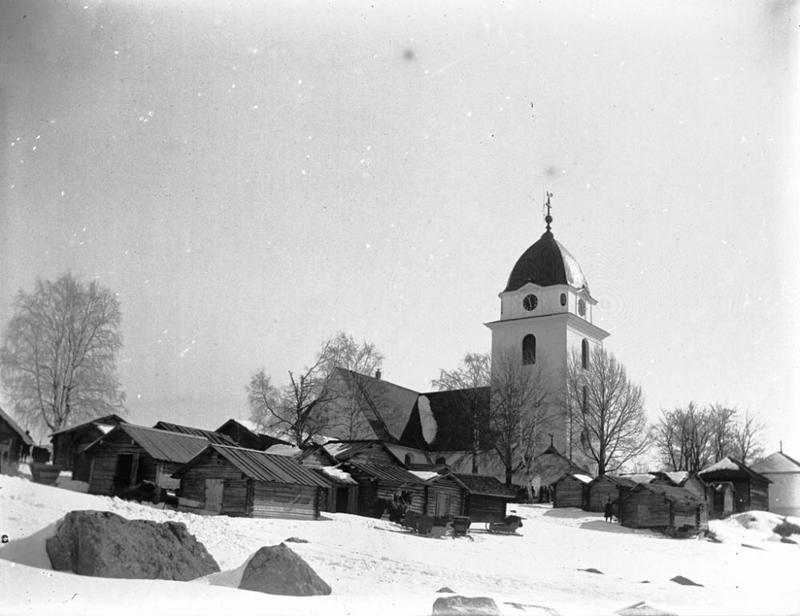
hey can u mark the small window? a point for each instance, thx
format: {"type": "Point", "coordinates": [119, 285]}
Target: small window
{"type": "Point", "coordinates": [585, 354]}
{"type": "Point", "coordinates": [585, 401]}
{"type": "Point", "coordinates": [408, 459]}
{"type": "Point", "coordinates": [441, 461]}
{"type": "Point", "coordinates": [529, 349]}
{"type": "Point", "coordinates": [563, 299]}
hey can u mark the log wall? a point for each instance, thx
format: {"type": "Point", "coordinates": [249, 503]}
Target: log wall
{"type": "Point", "coordinates": [103, 466]}
{"type": "Point", "coordinates": [281, 500]}
{"type": "Point", "coordinates": [485, 508]}
{"type": "Point", "coordinates": [568, 492]}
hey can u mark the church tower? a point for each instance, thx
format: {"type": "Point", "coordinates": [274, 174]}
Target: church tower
{"type": "Point", "coordinates": [546, 312]}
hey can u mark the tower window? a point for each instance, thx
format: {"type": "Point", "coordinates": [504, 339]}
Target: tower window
{"type": "Point", "coordinates": [585, 354]}
{"type": "Point", "coordinates": [585, 401]}
{"type": "Point", "coordinates": [563, 299]}
{"type": "Point", "coordinates": [529, 349]}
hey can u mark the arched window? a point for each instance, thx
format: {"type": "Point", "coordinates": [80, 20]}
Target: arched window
{"type": "Point", "coordinates": [585, 354]}
{"type": "Point", "coordinates": [529, 349]}
{"type": "Point", "coordinates": [408, 459]}
{"type": "Point", "coordinates": [585, 401]}
{"type": "Point", "coordinates": [441, 461]}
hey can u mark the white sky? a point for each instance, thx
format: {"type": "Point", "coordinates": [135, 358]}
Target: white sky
{"type": "Point", "coordinates": [253, 177]}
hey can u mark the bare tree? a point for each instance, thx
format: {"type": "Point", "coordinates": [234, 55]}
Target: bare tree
{"type": "Point", "coordinates": [58, 359]}
{"type": "Point", "coordinates": [519, 413]}
{"type": "Point", "coordinates": [691, 438]}
{"type": "Point", "coordinates": [346, 414]}
{"type": "Point", "coordinates": [288, 411]}
{"type": "Point", "coordinates": [746, 440]}
{"type": "Point", "coordinates": [469, 381]}
{"type": "Point", "coordinates": [607, 410]}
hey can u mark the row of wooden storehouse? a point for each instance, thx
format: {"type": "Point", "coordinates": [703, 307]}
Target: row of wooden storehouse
{"type": "Point", "coordinates": [671, 500]}
{"type": "Point", "coordinates": [216, 472]}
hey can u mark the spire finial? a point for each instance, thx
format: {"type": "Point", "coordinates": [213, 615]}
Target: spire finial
{"type": "Point", "coordinates": [548, 219]}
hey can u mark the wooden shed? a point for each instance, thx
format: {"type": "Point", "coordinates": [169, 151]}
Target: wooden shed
{"type": "Point", "coordinates": [15, 444]}
{"type": "Point", "coordinates": [662, 507]}
{"type": "Point", "coordinates": [607, 488]}
{"type": "Point", "coordinates": [378, 481]}
{"type": "Point", "coordinates": [342, 497]}
{"type": "Point", "coordinates": [69, 444]}
{"type": "Point", "coordinates": [247, 482]}
{"type": "Point", "coordinates": [751, 488]}
{"type": "Point", "coordinates": [129, 455]}
{"type": "Point", "coordinates": [570, 490]}
{"type": "Point", "coordinates": [484, 498]}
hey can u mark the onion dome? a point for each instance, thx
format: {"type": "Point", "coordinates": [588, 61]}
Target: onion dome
{"type": "Point", "coordinates": [547, 263]}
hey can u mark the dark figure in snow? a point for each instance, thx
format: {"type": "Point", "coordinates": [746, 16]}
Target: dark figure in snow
{"type": "Point", "coordinates": [609, 511]}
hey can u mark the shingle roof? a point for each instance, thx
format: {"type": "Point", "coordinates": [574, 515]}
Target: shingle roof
{"type": "Point", "coordinates": [344, 450]}
{"type": "Point", "coordinates": [213, 437]}
{"type": "Point", "coordinates": [673, 493]}
{"type": "Point", "coordinates": [483, 485]}
{"type": "Point", "coordinates": [392, 474]}
{"type": "Point", "coordinates": [262, 466]}
{"type": "Point", "coordinates": [729, 467]}
{"type": "Point", "coordinates": [777, 462]}
{"type": "Point", "coordinates": [26, 438]}
{"type": "Point", "coordinates": [622, 482]}
{"type": "Point", "coordinates": [159, 444]}
{"type": "Point", "coordinates": [112, 419]}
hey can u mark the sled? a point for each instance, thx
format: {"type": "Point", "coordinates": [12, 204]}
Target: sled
{"type": "Point", "coordinates": [508, 526]}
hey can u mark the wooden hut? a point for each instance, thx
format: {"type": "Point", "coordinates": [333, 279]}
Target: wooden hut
{"type": "Point", "coordinates": [722, 499]}
{"type": "Point", "coordinates": [551, 465]}
{"type": "Point", "coordinates": [606, 488]}
{"type": "Point", "coordinates": [751, 488]}
{"type": "Point", "coordinates": [129, 455]}
{"type": "Point", "coordinates": [69, 444]}
{"type": "Point", "coordinates": [479, 497]}
{"type": "Point", "coordinates": [251, 483]}
{"type": "Point", "coordinates": [342, 497]}
{"type": "Point", "coordinates": [378, 481]}
{"type": "Point", "coordinates": [15, 444]}
{"type": "Point", "coordinates": [570, 490]}
{"type": "Point", "coordinates": [662, 507]}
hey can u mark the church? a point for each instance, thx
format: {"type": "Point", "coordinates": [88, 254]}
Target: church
{"type": "Point", "coordinates": [546, 321]}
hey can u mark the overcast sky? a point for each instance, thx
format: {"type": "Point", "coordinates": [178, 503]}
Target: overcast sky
{"type": "Point", "coordinates": [253, 177]}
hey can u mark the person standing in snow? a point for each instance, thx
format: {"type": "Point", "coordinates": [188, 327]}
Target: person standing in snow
{"type": "Point", "coordinates": [609, 511]}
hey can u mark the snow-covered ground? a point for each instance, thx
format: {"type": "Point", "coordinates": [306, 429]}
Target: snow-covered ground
{"type": "Point", "coordinates": [375, 567]}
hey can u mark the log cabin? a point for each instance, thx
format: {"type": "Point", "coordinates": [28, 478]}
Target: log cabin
{"type": "Point", "coordinates": [246, 437]}
{"type": "Point", "coordinates": [15, 444]}
{"type": "Point", "coordinates": [378, 481]}
{"type": "Point", "coordinates": [606, 488]}
{"type": "Point", "coordinates": [570, 490]}
{"type": "Point", "coordinates": [234, 481]}
{"type": "Point", "coordinates": [69, 444]}
{"type": "Point", "coordinates": [129, 455]}
{"type": "Point", "coordinates": [479, 497]}
{"type": "Point", "coordinates": [210, 435]}
{"type": "Point", "coordinates": [663, 507]}
{"type": "Point", "coordinates": [751, 488]}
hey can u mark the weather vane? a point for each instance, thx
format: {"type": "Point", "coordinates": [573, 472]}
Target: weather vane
{"type": "Point", "coordinates": [548, 219]}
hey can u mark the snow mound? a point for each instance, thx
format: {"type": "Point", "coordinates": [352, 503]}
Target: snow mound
{"type": "Point", "coordinates": [748, 527]}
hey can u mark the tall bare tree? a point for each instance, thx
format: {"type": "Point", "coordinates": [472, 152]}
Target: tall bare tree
{"type": "Point", "coordinates": [288, 411]}
{"type": "Point", "coordinates": [58, 358]}
{"type": "Point", "coordinates": [607, 410]}
{"type": "Point", "coordinates": [345, 414]}
{"type": "Point", "coordinates": [519, 412]}
{"type": "Point", "coordinates": [691, 438]}
{"type": "Point", "coordinates": [469, 381]}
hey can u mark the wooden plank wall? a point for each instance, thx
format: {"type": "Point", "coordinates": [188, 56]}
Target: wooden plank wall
{"type": "Point", "coordinates": [281, 500]}
{"type": "Point", "coordinates": [759, 495]}
{"type": "Point", "coordinates": [213, 466]}
{"type": "Point", "coordinates": [485, 508]}
{"type": "Point", "coordinates": [644, 509]}
{"type": "Point", "coordinates": [440, 490]}
{"type": "Point", "coordinates": [104, 465]}
{"type": "Point", "coordinates": [568, 492]}
{"type": "Point", "coordinates": [599, 493]}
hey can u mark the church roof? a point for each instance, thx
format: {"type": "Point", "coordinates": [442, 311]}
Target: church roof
{"type": "Point", "coordinates": [546, 263]}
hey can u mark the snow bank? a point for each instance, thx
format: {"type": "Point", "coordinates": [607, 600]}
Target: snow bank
{"type": "Point", "coordinates": [375, 566]}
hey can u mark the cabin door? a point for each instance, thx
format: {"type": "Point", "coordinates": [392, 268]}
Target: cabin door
{"type": "Point", "coordinates": [442, 505]}
{"type": "Point", "coordinates": [214, 488]}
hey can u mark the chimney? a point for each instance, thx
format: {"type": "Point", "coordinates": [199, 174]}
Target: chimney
{"type": "Point", "coordinates": [378, 374]}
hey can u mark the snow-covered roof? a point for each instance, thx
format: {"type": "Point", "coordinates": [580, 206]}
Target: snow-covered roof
{"type": "Point", "coordinates": [338, 474]}
{"type": "Point", "coordinates": [582, 477]}
{"type": "Point", "coordinates": [726, 464]}
{"type": "Point", "coordinates": [425, 475]}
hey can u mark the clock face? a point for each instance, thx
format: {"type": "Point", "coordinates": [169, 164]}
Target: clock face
{"type": "Point", "coordinates": [581, 307]}
{"type": "Point", "coordinates": [529, 302]}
